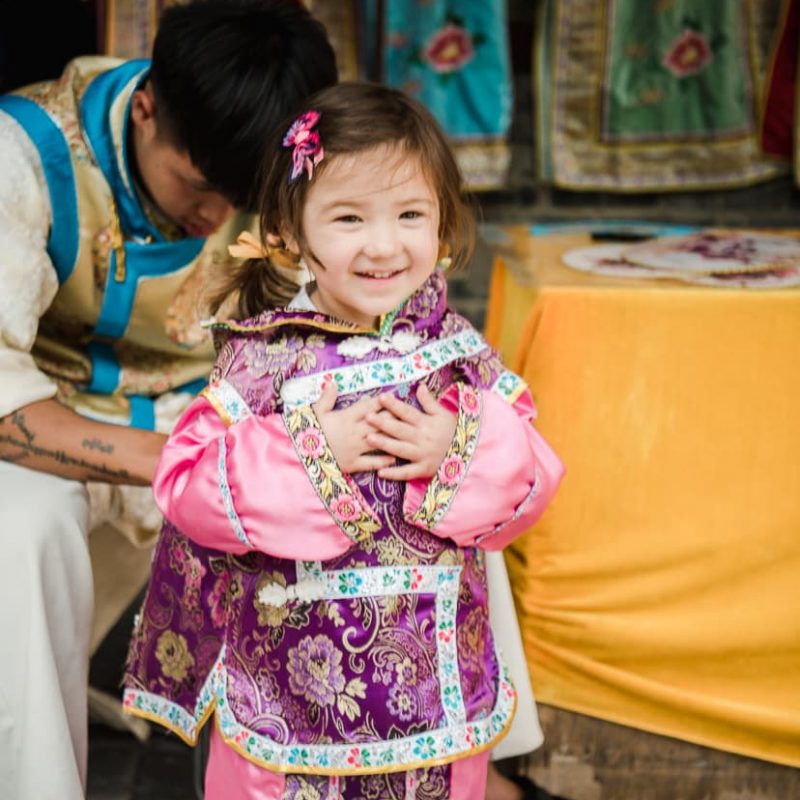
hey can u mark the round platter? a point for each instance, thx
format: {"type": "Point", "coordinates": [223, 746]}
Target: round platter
{"type": "Point", "coordinates": [716, 252]}
{"type": "Point", "coordinates": [607, 259]}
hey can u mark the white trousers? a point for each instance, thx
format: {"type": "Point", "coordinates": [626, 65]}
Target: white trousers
{"type": "Point", "coordinates": [525, 734]}
{"type": "Point", "coordinates": [46, 601]}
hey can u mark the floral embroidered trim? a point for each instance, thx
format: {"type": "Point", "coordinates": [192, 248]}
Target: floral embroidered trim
{"type": "Point", "coordinates": [159, 709]}
{"type": "Point", "coordinates": [453, 469]}
{"type": "Point", "coordinates": [509, 386]}
{"type": "Point", "coordinates": [337, 491]}
{"type": "Point", "coordinates": [449, 675]}
{"type": "Point", "coordinates": [385, 372]}
{"type": "Point", "coordinates": [227, 402]}
{"type": "Point", "coordinates": [411, 784]}
{"type": "Point", "coordinates": [421, 750]}
{"type": "Point", "coordinates": [518, 511]}
{"type": "Point", "coordinates": [227, 499]}
{"type": "Point", "coordinates": [438, 746]}
{"type": "Point", "coordinates": [334, 790]}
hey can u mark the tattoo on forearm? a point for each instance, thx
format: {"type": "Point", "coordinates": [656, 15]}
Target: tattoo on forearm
{"type": "Point", "coordinates": [18, 420]}
{"type": "Point", "coordinates": [96, 444]}
{"type": "Point", "coordinates": [14, 433]}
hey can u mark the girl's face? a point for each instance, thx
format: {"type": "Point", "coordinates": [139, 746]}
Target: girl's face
{"type": "Point", "coordinates": [371, 224]}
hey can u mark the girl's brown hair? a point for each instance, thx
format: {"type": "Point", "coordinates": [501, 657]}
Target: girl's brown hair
{"type": "Point", "coordinates": [354, 117]}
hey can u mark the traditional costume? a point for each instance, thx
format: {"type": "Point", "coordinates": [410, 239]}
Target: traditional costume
{"type": "Point", "coordinates": [98, 308]}
{"type": "Point", "coordinates": [337, 625]}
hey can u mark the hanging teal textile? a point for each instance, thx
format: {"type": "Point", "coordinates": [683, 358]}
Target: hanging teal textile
{"type": "Point", "coordinates": [454, 58]}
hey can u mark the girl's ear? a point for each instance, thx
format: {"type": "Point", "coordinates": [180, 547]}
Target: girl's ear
{"type": "Point", "coordinates": [291, 243]}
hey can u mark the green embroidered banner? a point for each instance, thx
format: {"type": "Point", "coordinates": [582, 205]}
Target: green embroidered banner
{"type": "Point", "coordinates": [655, 96]}
{"type": "Point", "coordinates": [676, 69]}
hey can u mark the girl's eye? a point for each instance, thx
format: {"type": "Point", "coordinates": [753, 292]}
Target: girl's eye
{"type": "Point", "coordinates": [348, 218]}
{"type": "Point", "coordinates": [410, 215]}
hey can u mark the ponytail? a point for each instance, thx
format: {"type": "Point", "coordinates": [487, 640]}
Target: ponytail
{"type": "Point", "coordinates": [262, 281]}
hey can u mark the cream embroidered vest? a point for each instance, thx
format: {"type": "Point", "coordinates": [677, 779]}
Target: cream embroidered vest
{"type": "Point", "coordinates": [124, 325]}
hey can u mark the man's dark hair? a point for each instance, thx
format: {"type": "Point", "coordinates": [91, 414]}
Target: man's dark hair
{"type": "Point", "coordinates": [225, 73]}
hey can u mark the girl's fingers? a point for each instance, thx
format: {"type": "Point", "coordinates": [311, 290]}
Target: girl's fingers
{"type": "Point", "coordinates": [392, 445]}
{"type": "Point", "coordinates": [430, 405]}
{"type": "Point", "coordinates": [327, 399]}
{"type": "Point", "coordinates": [402, 472]}
{"type": "Point", "coordinates": [403, 411]}
{"type": "Point", "coordinates": [374, 463]}
{"type": "Point", "coordinates": [386, 423]}
{"type": "Point", "coordinates": [366, 405]}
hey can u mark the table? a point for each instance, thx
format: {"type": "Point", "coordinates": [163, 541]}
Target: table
{"type": "Point", "coordinates": [661, 590]}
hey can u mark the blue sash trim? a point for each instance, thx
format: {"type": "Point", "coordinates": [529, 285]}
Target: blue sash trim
{"type": "Point", "coordinates": [143, 408]}
{"type": "Point", "coordinates": [47, 137]}
{"type": "Point", "coordinates": [95, 112]}
{"type": "Point", "coordinates": [149, 254]}
{"type": "Point", "coordinates": [141, 261]}
{"type": "Point", "coordinates": [105, 368]}
{"type": "Point", "coordinates": [105, 380]}
{"type": "Point", "coordinates": [143, 412]}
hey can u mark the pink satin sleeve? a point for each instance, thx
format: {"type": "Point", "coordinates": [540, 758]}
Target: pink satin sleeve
{"type": "Point", "coordinates": [242, 488]}
{"type": "Point", "coordinates": [510, 481]}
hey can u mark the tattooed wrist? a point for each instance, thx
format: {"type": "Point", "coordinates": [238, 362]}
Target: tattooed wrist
{"type": "Point", "coordinates": [17, 446]}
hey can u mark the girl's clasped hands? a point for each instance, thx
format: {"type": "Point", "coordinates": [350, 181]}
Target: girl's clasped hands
{"type": "Point", "coordinates": [377, 432]}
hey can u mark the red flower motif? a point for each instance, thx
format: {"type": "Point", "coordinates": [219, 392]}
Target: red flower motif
{"type": "Point", "coordinates": [451, 470]}
{"type": "Point", "coordinates": [689, 53]}
{"type": "Point", "coordinates": [469, 401]}
{"type": "Point", "coordinates": [311, 443]}
{"type": "Point", "coordinates": [449, 49]}
{"type": "Point", "coordinates": [345, 508]}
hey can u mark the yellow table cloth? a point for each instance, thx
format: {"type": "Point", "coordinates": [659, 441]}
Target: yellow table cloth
{"type": "Point", "coordinates": [662, 588]}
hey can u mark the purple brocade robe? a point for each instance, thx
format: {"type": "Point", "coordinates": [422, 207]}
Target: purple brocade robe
{"type": "Point", "coordinates": [378, 660]}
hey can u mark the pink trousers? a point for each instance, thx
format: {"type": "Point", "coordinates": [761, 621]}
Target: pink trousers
{"type": "Point", "coordinates": [229, 776]}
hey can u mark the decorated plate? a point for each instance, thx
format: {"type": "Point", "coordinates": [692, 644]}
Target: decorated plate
{"type": "Point", "coordinates": [717, 252]}
{"type": "Point", "coordinates": [766, 279]}
{"type": "Point", "coordinates": [607, 259]}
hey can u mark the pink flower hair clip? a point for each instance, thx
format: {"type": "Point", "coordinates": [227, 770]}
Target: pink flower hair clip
{"type": "Point", "coordinates": [307, 151]}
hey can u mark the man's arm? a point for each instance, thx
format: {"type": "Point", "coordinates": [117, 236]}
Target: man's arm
{"type": "Point", "coordinates": [49, 437]}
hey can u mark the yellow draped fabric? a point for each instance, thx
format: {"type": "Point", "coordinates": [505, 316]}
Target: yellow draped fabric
{"type": "Point", "coordinates": [662, 588]}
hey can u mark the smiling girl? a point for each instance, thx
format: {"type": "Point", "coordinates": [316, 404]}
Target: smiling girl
{"type": "Point", "coordinates": [320, 582]}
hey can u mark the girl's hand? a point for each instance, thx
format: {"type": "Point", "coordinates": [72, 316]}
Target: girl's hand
{"type": "Point", "coordinates": [347, 430]}
{"type": "Point", "coordinates": [420, 437]}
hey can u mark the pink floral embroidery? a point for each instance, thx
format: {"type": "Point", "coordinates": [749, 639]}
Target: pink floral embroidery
{"type": "Point", "coordinates": [451, 470]}
{"type": "Point", "coordinates": [469, 402]}
{"type": "Point", "coordinates": [311, 443]}
{"type": "Point", "coordinates": [689, 53]}
{"type": "Point", "coordinates": [345, 508]}
{"type": "Point", "coordinates": [219, 599]}
{"type": "Point", "coordinates": [304, 142]}
{"type": "Point", "coordinates": [449, 49]}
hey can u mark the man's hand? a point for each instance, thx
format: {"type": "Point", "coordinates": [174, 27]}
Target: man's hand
{"type": "Point", "coordinates": [347, 430]}
{"type": "Point", "coordinates": [420, 437]}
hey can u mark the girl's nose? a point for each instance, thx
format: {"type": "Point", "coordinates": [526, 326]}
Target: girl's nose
{"type": "Point", "coordinates": [382, 242]}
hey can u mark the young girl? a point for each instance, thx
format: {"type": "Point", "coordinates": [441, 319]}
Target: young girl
{"type": "Point", "coordinates": [329, 606]}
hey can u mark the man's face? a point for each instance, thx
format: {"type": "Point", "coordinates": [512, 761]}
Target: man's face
{"type": "Point", "coordinates": [170, 178]}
